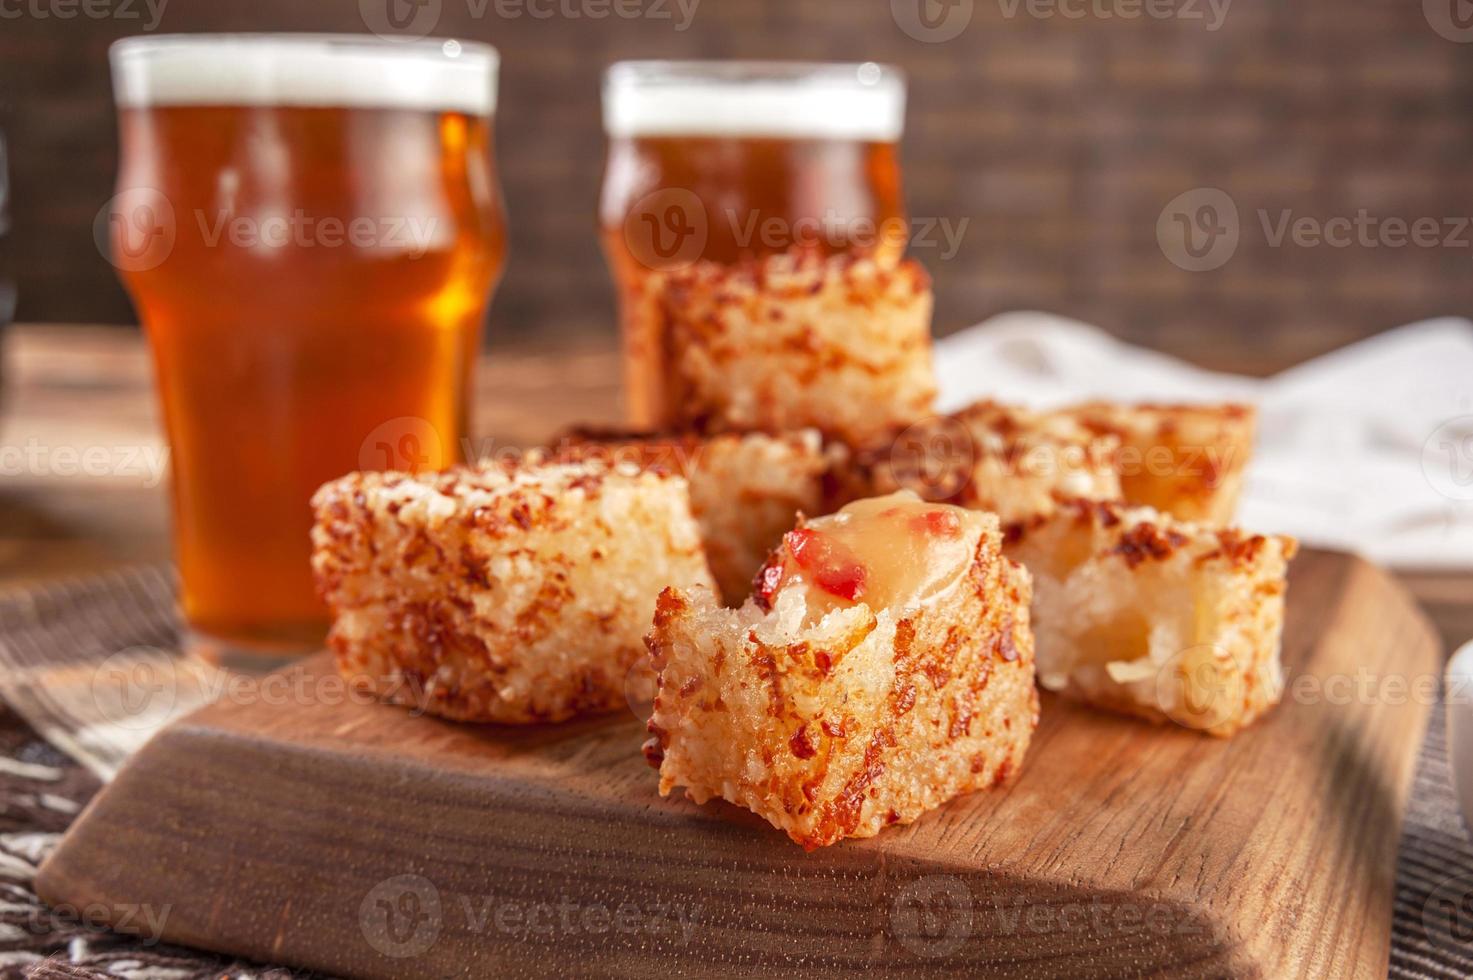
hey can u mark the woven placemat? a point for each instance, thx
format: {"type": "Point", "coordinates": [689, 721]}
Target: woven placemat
{"type": "Point", "coordinates": [55, 639]}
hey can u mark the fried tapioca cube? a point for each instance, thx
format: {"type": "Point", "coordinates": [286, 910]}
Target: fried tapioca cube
{"type": "Point", "coordinates": [1012, 461]}
{"type": "Point", "coordinates": [511, 593]}
{"type": "Point", "coordinates": [746, 490]}
{"type": "Point", "coordinates": [1166, 620]}
{"type": "Point", "coordinates": [793, 341]}
{"type": "Point", "coordinates": [1185, 460]}
{"type": "Point", "coordinates": [884, 666]}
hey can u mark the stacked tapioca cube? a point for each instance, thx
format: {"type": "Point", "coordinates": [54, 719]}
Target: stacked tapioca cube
{"type": "Point", "coordinates": [845, 598]}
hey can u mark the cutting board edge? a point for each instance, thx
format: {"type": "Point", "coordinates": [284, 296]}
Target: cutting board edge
{"type": "Point", "coordinates": [1245, 956]}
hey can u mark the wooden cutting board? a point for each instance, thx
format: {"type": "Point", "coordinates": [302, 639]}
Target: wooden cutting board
{"type": "Point", "coordinates": [360, 840]}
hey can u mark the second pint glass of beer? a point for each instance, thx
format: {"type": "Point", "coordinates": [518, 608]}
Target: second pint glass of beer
{"type": "Point", "coordinates": [310, 228]}
{"type": "Point", "coordinates": [725, 161]}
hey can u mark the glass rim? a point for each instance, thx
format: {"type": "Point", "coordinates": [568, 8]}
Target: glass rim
{"type": "Point", "coordinates": [302, 69]}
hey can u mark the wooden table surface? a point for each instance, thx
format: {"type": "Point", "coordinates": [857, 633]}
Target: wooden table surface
{"type": "Point", "coordinates": [80, 442]}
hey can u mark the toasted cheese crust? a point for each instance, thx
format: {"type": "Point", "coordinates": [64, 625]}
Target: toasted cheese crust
{"type": "Point", "coordinates": [1170, 621]}
{"type": "Point", "coordinates": [1011, 461]}
{"type": "Point", "coordinates": [745, 490]}
{"type": "Point", "coordinates": [1185, 460]}
{"type": "Point", "coordinates": [793, 341]}
{"type": "Point", "coordinates": [513, 593]}
{"type": "Point", "coordinates": [860, 720]}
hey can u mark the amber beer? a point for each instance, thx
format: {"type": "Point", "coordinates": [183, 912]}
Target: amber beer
{"type": "Point", "coordinates": [721, 161]}
{"type": "Point", "coordinates": [310, 229]}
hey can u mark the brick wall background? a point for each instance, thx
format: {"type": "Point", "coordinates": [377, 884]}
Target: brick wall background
{"type": "Point", "coordinates": [1059, 129]}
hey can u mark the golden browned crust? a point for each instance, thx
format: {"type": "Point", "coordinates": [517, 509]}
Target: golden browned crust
{"type": "Point", "coordinates": [1011, 461]}
{"type": "Point", "coordinates": [862, 720]}
{"type": "Point", "coordinates": [745, 490]}
{"type": "Point", "coordinates": [512, 593]}
{"type": "Point", "coordinates": [1186, 460]}
{"type": "Point", "coordinates": [795, 341]}
{"type": "Point", "coordinates": [1141, 613]}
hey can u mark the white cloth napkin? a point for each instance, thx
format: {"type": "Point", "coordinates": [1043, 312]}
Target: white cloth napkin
{"type": "Point", "coordinates": [1367, 449]}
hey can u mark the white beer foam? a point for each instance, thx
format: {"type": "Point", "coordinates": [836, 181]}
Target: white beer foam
{"type": "Point", "coordinates": [321, 70]}
{"type": "Point", "coordinates": [834, 101]}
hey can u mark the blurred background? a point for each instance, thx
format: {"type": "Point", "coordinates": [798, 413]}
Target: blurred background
{"type": "Point", "coordinates": [1052, 134]}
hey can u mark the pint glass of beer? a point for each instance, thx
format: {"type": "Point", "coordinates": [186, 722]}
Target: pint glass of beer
{"type": "Point", "coordinates": [310, 228]}
{"type": "Point", "coordinates": [725, 161]}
